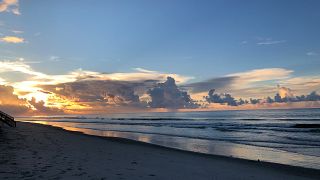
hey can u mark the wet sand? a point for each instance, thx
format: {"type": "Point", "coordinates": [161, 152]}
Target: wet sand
{"type": "Point", "coordinates": [34, 151]}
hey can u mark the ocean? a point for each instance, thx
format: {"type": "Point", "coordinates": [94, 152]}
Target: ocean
{"type": "Point", "coordinates": [289, 137]}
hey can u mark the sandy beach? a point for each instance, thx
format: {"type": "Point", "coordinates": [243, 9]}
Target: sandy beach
{"type": "Point", "coordinates": [34, 151]}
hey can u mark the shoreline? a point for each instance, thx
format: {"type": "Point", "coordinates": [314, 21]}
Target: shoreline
{"type": "Point", "coordinates": [274, 169]}
{"type": "Point", "coordinates": [125, 140]}
{"type": "Point", "coordinates": [200, 145]}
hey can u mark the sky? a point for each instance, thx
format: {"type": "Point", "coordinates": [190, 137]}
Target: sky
{"type": "Point", "coordinates": [95, 56]}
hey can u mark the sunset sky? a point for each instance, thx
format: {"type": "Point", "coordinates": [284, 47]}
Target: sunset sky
{"type": "Point", "coordinates": [79, 57]}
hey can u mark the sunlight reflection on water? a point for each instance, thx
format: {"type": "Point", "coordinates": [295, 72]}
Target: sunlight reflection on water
{"type": "Point", "coordinates": [203, 146]}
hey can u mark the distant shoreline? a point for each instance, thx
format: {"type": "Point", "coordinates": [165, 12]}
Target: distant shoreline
{"type": "Point", "coordinates": [34, 150]}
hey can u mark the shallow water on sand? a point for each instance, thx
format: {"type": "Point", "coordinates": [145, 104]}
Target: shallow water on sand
{"type": "Point", "coordinates": [282, 136]}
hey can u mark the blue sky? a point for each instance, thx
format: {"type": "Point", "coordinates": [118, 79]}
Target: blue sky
{"type": "Point", "coordinates": [252, 45]}
{"type": "Point", "coordinates": [201, 39]}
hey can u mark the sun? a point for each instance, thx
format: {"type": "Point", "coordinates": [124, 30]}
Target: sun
{"type": "Point", "coordinates": [39, 96]}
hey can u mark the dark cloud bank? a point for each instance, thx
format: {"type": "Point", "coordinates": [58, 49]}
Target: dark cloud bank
{"type": "Point", "coordinates": [107, 91]}
{"type": "Point", "coordinates": [124, 93]}
{"type": "Point", "coordinates": [231, 101]}
{"type": "Point", "coordinates": [104, 93]}
{"type": "Point", "coordinates": [163, 95]}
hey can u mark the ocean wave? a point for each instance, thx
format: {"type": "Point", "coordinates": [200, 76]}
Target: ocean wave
{"type": "Point", "coordinates": [306, 126]}
{"type": "Point", "coordinates": [296, 142]}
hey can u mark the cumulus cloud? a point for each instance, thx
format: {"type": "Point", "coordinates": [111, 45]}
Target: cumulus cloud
{"type": "Point", "coordinates": [36, 79]}
{"type": "Point", "coordinates": [285, 92]}
{"type": "Point", "coordinates": [221, 98]}
{"type": "Point", "coordinates": [11, 103]}
{"type": "Point", "coordinates": [142, 88]}
{"type": "Point", "coordinates": [100, 93]}
{"type": "Point", "coordinates": [7, 96]}
{"type": "Point", "coordinates": [168, 95]}
{"type": "Point", "coordinates": [12, 39]}
{"type": "Point", "coordinates": [10, 6]}
{"type": "Point", "coordinates": [40, 107]}
{"type": "Point", "coordinates": [83, 88]}
{"type": "Point", "coordinates": [313, 96]}
{"type": "Point", "coordinates": [254, 101]}
{"type": "Point", "coordinates": [284, 95]}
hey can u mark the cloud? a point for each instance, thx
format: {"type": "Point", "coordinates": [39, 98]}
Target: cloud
{"type": "Point", "coordinates": [284, 95]}
{"type": "Point", "coordinates": [40, 108]}
{"type": "Point", "coordinates": [17, 31]}
{"type": "Point", "coordinates": [12, 39]}
{"type": "Point", "coordinates": [103, 91]}
{"type": "Point", "coordinates": [241, 82]}
{"type": "Point", "coordinates": [313, 96]}
{"type": "Point", "coordinates": [141, 89]}
{"type": "Point", "coordinates": [253, 83]}
{"type": "Point", "coordinates": [20, 67]}
{"type": "Point", "coordinates": [11, 6]}
{"type": "Point", "coordinates": [2, 81]}
{"type": "Point", "coordinates": [15, 109]}
{"type": "Point", "coordinates": [220, 98]}
{"type": "Point", "coordinates": [80, 88]}
{"type": "Point", "coordinates": [285, 92]}
{"type": "Point", "coordinates": [7, 96]}
{"type": "Point", "coordinates": [11, 103]}
{"type": "Point", "coordinates": [258, 75]}
{"type": "Point", "coordinates": [214, 83]}
{"type": "Point", "coordinates": [302, 84]}
{"type": "Point", "coordinates": [311, 53]}
{"type": "Point", "coordinates": [113, 93]}
{"type": "Point", "coordinates": [79, 74]}
{"type": "Point", "coordinates": [168, 95]}
{"type": "Point", "coordinates": [144, 70]}
{"type": "Point", "coordinates": [269, 41]}
{"type": "Point", "coordinates": [54, 58]}
{"type": "Point", "coordinates": [258, 81]}
{"type": "Point", "coordinates": [244, 42]}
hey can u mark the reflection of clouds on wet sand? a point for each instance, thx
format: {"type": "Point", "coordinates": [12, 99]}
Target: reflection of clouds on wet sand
{"type": "Point", "coordinates": [202, 146]}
